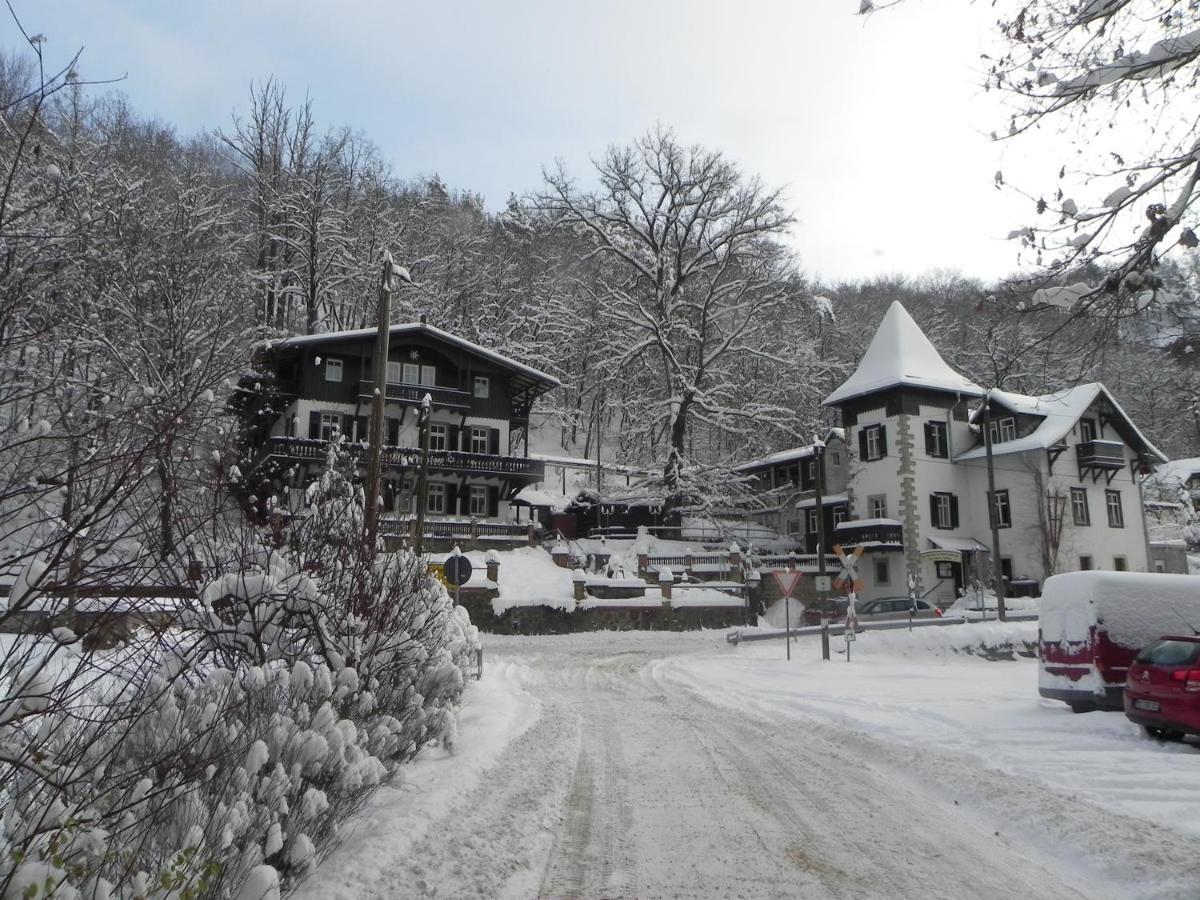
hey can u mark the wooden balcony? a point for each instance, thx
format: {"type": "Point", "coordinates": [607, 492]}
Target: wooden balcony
{"type": "Point", "coordinates": [442, 397]}
{"type": "Point", "coordinates": [1097, 457]}
{"type": "Point", "coordinates": [1101, 454]}
{"type": "Point", "coordinates": [871, 534]}
{"type": "Point", "coordinates": [306, 450]}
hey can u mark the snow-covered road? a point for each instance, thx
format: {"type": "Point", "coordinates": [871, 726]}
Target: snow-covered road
{"type": "Point", "coordinates": [624, 766]}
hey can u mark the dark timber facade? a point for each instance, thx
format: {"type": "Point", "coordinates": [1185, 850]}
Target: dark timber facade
{"type": "Point", "coordinates": [308, 391]}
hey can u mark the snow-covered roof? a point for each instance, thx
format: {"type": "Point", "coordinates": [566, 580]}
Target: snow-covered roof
{"type": "Point", "coordinates": [541, 497]}
{"type": "Point", "coordinates": [961, 544]}
{"type": "Point", "coordinates": [790, 455]}
{"type": "Point", "coordinates": [867, 523]}
{"type": "Point", "coordinates": [1061, 410]}
{"type": "Point", "coordinates": [901, 355]}
{"type": "Point", "coordinates": [1177, 471]}
{"type": "Point", "coordinates": [408, 328]}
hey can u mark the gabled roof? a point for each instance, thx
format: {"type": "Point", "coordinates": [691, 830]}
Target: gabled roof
{"type": "Point", "coordinates": [1176, 472]}
{"type": "Point", "coordinates": [413, 328]}
{"type": "Point", "coordinates": [790, 455]}
{"type": "Point", "coordinates": [900, 355]}
{"type": "Point", "coordinates": [1060, 411]}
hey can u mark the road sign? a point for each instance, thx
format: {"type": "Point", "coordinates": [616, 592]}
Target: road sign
{"type": "Point", "coordinates": [787, 582]}
{"type": "Point", "coordinates": [848, 579]}
{"type": "Point", "coordinates": [457, 570]}
{"type": "Point", "coordinates": [823, 583]}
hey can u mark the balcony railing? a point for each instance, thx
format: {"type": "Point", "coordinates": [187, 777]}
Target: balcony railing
{"type": "Point", "coordinates": [415, 393]}
{"type": "Point", "coordinates": [877, 534]}
{"type": "Point", "coordinates": [410, 458]}
{"type": "Point", "coordinates": [1101, 454]}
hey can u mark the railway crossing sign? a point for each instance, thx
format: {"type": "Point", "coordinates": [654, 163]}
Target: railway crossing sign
{"type": "Point", "coordinates": [848, 579]}
{"type": "Point", "coordinates": [787, 581]}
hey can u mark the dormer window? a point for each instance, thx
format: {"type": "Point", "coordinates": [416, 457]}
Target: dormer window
{"type": "Point", "coordinates": [1003, 430]}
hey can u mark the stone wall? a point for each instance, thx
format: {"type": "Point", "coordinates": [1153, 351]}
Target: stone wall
{"type": "Point", "coordinates": [549, 620]}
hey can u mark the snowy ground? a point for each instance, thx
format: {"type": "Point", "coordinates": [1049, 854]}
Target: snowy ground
{"type": "Point", "coordinates": [651, 765]}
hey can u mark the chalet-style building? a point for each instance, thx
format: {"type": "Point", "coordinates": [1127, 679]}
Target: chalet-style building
{"type": "Point", "coordinates": [308, 391]}
{"type": "Point", "coordinates": [785, 483]}
{"type": "Point", "coordinates": [1066, 465]}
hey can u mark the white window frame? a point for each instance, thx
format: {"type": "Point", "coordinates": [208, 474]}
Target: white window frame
{"type": "Point", "coordinates": [428, 376]}
{"type": "Point", "coordinates": [1112, 503]}
{"type": "Point", "coordinates": [811, 525]}
{"type": "Point", "coordinates": [1080, 494]}
{"type": "Point", "coordinates": [480, 438]}
{"type": "Point", "coordinates": [331, 424]}
{"type": "Point", "coordinates": [877, 505]}
{"type": "Point", "coordinates": [436, 502]}
{"type": "Point", "coordinates": [439, 436]}
{"type": "Point", "coordinates": [839, 515]}
{"type": "Point", "coordinates": [482, 386]}
{"type": "Point", "coordinates": [410, 373]}
{"type": "Point", "coordinates": [1003, 430]}
{"type": "Point", "coordinates": [395, 373]}
{"type": "Point", "coordinates": [333, 367]}
{"type": "Point", "coordinates": [873, 443]}
{"type": "Point", "coordinates": [478, 503]}
{"type": "Point", "coordinates": [405, 497]}
{"type": "Point", "coordinates": [945, 517]}
{"type": "Point", "coordinates": [1002, 508]}
{"type": "Point", "coordinates": [939, 432]}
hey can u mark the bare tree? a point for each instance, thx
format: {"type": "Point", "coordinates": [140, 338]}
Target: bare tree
{"type": "Point", "coordinates": [696, 278]}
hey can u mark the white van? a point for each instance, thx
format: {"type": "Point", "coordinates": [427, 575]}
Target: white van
{"type": "Point", "coordinates": [1092, 624]}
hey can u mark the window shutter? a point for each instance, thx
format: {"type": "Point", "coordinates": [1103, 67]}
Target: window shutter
{"type": "Point", "coordinates": [883, 440]}
{"type": "Point", "coordinates": [953, 511]}
{"type": "Point", "coordinates": [494, 441]}
{"type": "Point", "coordinates": [862, 443]}
{"type": "Point", "coordinates": [314, 425]}
{"type": "Point", "coordinates": [493, 501]}
{"type": "Point", "coordinates": [393, 432]}
{"type": "Point", "coordinates": [933, 511]}
{"type": "Point", "coordinates": [929, 447]}
{"type": "Point", "coordinates": [452, 499]}
{"type": "Point", "coordinates": [452, 438]}
{"type": "Point", "coordinates": [347, 424]}
{"type": "Point", "coordinates": [363, 434]}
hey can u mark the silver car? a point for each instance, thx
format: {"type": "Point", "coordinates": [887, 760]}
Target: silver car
{"type": "Point", "coordinates": [894, 608]}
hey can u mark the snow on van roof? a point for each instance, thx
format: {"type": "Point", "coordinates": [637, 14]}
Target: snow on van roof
{"type": "Point", "coordinates": [901, 355]}
{"type": "Point", "coordinates": [1135, 607]}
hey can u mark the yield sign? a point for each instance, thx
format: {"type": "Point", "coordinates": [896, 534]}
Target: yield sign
{"type": "Point", "coordinates": [848, 578]}
{"type": "Point", "coordinates": [787, 582]}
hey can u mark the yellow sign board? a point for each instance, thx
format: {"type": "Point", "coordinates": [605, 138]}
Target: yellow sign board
{"type": "Point", "coordinates": [438, 571]}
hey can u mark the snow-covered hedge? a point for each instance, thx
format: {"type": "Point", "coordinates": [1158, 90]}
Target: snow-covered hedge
{"type": "Point", "coordinates": [219, 760]}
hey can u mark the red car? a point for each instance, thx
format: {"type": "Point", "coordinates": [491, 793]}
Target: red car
{"type": "Point", "coordinates": [1163, 691]}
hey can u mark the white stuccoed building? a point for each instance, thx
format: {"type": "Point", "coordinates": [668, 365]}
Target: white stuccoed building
{"type": "Point", "coordinates": [1066, 465]}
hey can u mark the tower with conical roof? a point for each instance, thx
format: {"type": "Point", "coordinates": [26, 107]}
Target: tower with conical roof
{"type": "Point", "coordinates": [905, 411]}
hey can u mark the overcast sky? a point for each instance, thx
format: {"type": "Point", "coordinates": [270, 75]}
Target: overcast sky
{"type": "Point", "coordinates": [874, 126]}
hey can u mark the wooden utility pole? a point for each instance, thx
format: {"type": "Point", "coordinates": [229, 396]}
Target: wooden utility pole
{"type": "Point", "coordinates": [375, 444]}
{"type": "Point", "coordinates": [819, 453]}
{"type": "Point", "coordinates": [997, 571]}
{"type": "Point", "coordinates": [422, 472]}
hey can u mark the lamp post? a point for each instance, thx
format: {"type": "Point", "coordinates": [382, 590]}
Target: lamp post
{"type": "Point", "coordinates": [375, 445]}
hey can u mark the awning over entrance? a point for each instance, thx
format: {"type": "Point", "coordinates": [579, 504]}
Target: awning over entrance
{"type": "Point", "coordinates": [962, 545]}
